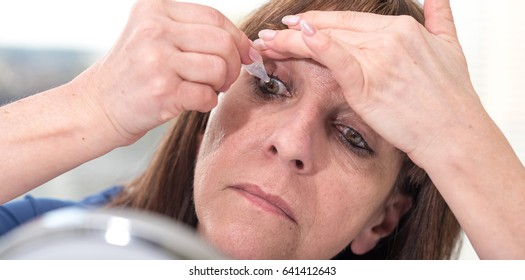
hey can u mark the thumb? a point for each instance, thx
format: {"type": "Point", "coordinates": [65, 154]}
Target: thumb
{"type": "Point", "coordinates": [439, 20]}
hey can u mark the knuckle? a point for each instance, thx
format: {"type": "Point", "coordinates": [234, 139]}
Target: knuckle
{"type": "Point", "coordinates": [311, 16]}
{"type": "Point", "coordinates": [224, 40]}
{"type": "Point", "coordinates": [326, 44]}
{"type": "Point", "coordinates": [218, 67]}
{"type": "Point", "coordinates": [149, 28]}
{"type": "Point", "coordinates": [408, 25]}
{"type": "Point", "coordinates": [329, 31]}
{"type": "Point", "coordinates": [284, 39]}
{"type": "Point", "coordinates": [209, 100]}
{"type": "Point", "coordinates": [345, 18]}
{"type": "Point", "coordinates": [347, 62]}
{"type": "Point", "coordinates": [152, 57]}
{"type": "Point", "coordinates": [202, 98]}
{"type": "Point", "coordinates": [143, 8]}
{"type": "Point", "coordinates": [159, 85]}
{"type": "Point", "coordinates": [215, 17]}
{"type": "Point", "coordinates": [138, 7]}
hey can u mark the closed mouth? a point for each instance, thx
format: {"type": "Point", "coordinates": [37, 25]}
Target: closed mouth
{"type": "Point", "coordinates": [268, 202]}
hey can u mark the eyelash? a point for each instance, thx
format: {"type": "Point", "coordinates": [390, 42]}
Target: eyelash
{"type": "Point", "coordinates": [363, 150]}
{"type": "Point", "coordinates": [264, 94]}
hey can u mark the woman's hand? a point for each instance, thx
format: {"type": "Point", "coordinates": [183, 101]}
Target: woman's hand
{"type": "Point", "coordinates": [410, 83]}
{"type": "Point", "coordinates": [170, 57]}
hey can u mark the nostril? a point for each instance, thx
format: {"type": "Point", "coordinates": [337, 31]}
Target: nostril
{"type": "Point", "coordinates": [299, 164]}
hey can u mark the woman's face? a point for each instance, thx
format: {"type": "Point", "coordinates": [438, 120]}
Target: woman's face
{"type": "Point", "coordinates": [288, 170]}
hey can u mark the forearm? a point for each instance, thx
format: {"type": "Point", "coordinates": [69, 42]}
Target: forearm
{"type": "Point", "coordinates": [48, 134]}
{"type": "Point", "coordinates": [483, 181]}
{"type": "Point", "coordinates": [144, 81]}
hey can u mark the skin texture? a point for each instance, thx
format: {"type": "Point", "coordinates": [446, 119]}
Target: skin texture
{"type": "Point", "coordinates": [334, 191]}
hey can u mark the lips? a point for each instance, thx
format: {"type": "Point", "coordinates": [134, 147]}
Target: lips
{"type": "Point", "coordinates": [268, 202]}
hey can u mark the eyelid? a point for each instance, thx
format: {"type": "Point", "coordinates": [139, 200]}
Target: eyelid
{"type": "Point", "coordinates": [266, 95]}
{"type": "Point", "coordinates": [282, 71]}
{"type": "Point", "coordinates": [360, 150]}
{"type": "Point", "coordinates": [347, 117]}
{"type": "Point", "coordinates": [285, 84]}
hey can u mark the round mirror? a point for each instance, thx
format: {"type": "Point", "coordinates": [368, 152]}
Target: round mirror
{"type": "Point", "coordinates": [76, 233]}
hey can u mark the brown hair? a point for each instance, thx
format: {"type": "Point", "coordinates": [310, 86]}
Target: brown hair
{"type": "Point", "coordinates": [428, 231]}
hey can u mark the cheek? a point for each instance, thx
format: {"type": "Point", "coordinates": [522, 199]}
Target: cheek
{"type": "Point", "coordinates": [343, 209]}
{"type": "Point", "coordinates": [222, 139]}
{"type": "Point", "coordinates": [348, 201]}
{"type": "Point", "coordinates": [224, 119]}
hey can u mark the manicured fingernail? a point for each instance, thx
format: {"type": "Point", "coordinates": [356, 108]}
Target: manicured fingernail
{"type": "Point", "coordinates": [291, 20]}
{"type": "Point", "coordinates": [307, 28]}
{"type": "Point", "coordinates": [259, 45]}
{"type": "Point", "coordinates": [267, 34]}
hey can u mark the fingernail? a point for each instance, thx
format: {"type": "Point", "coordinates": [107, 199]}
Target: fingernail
{"type": "Point", "coordinates": [291, 20]}
{"type": "Point", "coordinates": [259, 45]}
{"type": "Point", "coordinates": [267, 34]}
{"type": "Point", "coordinates": [307, 28]}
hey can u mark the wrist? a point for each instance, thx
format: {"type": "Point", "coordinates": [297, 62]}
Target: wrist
{"type": "Point", "coordinates": [457, 135]}
{"type": "Point", "coordinates": [463, 157]}
{"type": "Point", "coordinates": [93, 113]}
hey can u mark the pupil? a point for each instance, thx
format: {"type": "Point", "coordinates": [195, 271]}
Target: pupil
{"type": "Point", "coordinates": [272, 86]}
{"type": "Point", "coordinates": [354, 137]}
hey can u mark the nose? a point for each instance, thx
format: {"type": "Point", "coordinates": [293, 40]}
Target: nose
{"type": "Point", "coordinates": [293, 142]}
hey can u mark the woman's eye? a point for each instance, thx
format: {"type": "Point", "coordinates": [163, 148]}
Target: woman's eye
{"type": "Point", "coordinates": [273, 87]}
{"type": "Point", "coordinates": [354, 139]}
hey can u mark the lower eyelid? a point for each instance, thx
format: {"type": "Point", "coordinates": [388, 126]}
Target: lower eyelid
{"type": "Point", "coordinates": [356, 149]}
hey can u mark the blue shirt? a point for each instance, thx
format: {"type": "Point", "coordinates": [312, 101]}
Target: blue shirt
{"type": "Point", "coordinates": [18, 212]}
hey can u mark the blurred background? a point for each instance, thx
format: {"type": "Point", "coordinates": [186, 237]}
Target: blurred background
{"type": "Point", "coordinates": [44, 44]}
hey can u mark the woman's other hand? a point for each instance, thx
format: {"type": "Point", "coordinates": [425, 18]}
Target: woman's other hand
{"type": "Point", "coordinates": [411, 84]}
{"type": "Point", "coordinates": [170, 57]}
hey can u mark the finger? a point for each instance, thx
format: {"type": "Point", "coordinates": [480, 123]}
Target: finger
{"type": "Point", "coordinates": [202, 68]}
{"type": "Point", "coordinates": [213, 41]}
{"type": "Point", "coordinates": [342, 61]}
{"type": "Point", "coordinates": [200, 14]}
{"type": "Point", "coordinates": [193, 97]}
{"type": "Point", "coordinates": [285, 43]}
{"type": "Point", "coordinates": [270, 54]}
{"type": "Point", "coordinates": [289, 43]}
{"type": "Point", "coordinates": [266, 52]}
{"type": "Point", "coordinates": [356, 21]}
{"type": "Point", "coordinates": [439, 19]}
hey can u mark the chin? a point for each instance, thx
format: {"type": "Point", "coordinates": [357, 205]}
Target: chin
{"type": "Point", "coordinates": [248, 242]}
